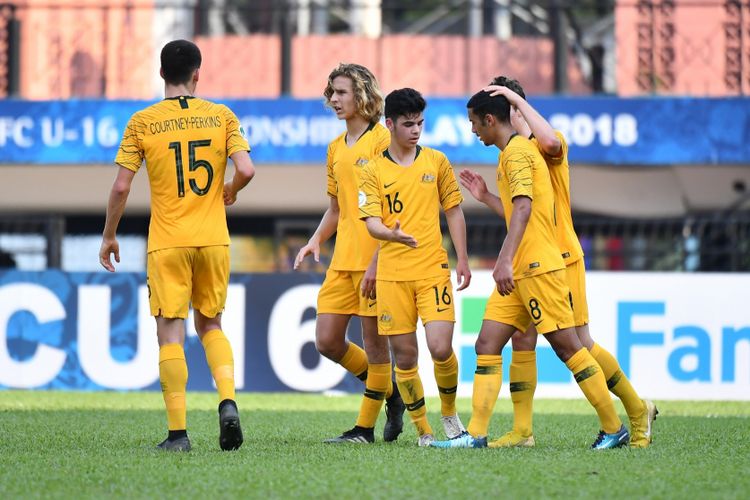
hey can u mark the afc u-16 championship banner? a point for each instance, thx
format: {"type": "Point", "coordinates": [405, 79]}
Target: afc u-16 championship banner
{"type": "Point", "coordinates": [600, 130]}
{"type": "Point", "coordinates": [676, 335]}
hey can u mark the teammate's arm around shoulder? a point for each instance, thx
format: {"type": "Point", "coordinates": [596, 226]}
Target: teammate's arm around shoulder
{"type": "Point", "coordinates": [457, 228]}
{"type": "Point", "coordinates": [244, 171]}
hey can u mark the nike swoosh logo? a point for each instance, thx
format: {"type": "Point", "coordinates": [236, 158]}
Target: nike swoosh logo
{"type": "Point", "coordinates": [536, 323]}
{"type": "Point", "coordinates": [386, 186]}
{"type": "Point", "coordinates": [370, 305]}
{"type": "Point", "coordinates": [443, 309]}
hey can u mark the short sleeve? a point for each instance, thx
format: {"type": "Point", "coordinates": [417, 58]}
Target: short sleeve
{"type": "Point", "coordinates": [518, 165]}
{"type": "Point", "coordinates": [558, 159]}
{"type": "Point", "coordinates": [235, 135]}
{"type": "Point", "coordinates": [368, 198]}
{"type": "Point", "coordinates": [332, 186]}
{"type": "Point", "coordinates": [450, 194]}
{"type": "Point", "coordinates": [130, 155]}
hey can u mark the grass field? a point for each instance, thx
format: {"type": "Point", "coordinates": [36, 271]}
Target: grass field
{"type": "Point", "coordinates": [73, 445]}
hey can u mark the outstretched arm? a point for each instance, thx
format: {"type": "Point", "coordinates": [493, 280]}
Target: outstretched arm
{"type": "Point", "coordinates": [380, 231]}
{"type": "Point", "coordinates": [475, 184]}
{"type": "Point", "coordinates": [118, 197]}
{"type": "Point", "coordinates": [457, 227]}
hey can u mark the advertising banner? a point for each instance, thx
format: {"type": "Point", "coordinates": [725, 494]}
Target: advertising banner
{"type": "Point", "coordinates": [677, 336]}
{"type": "Point", "coordinates": [600, 130]}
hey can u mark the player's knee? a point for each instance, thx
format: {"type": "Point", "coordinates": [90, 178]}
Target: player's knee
{"type": "Point", "coordinates": [484, 346]}
{"type": "Point", "coordinates": [330, 346]}
{"type": "Point", "coordinates": [441, 352]}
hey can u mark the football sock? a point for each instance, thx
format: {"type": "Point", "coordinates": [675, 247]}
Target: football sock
{"type": "Point", "coordinates": [617, 382]}
{"type": "Point", "coordinates": [446, 376]}
{"type": "Point", "coordinates": [591, 380]}
{"type": "Point", "coordinates": [522, 386]}
{"type": "Point", "coordinates": [355, 361]}
{"type": "Point", "coordinates": [487, 380]}
{"type": "Point", "coordinates": [378, 379]}
{"type": "Point", "coordinates": [412, 392]}
{"type": "Point", "coordinates": [173, 375]}
{"type": "Point", "coordinates": [221, 362]}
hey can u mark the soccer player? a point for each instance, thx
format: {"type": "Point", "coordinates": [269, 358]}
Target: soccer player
{"type": "Point", "coordinates": [530, 278]}
{"type": "Point", "coordinates": [349, 286]}
{"type": "Point", "coordinates": [641, 413]}
{"type": "Point", "coordinates": [185, 142]}
{"type": "Point", "coordinates": [401, 195]}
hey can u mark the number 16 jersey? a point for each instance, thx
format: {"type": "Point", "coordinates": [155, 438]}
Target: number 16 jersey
{"type": "Point", "coordinates": [185, 142]}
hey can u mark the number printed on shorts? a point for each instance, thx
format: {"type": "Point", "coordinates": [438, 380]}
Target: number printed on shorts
{"type": "Point", "coordinates": [193, 165]}
{"type": "Point", "coordinates": [536, 312]}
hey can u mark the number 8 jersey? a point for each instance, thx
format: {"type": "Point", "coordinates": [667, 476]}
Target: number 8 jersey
{"type": "Point", "coordinates": [185, 142]}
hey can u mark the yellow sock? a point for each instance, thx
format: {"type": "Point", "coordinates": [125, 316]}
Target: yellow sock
{"type": "Point", "coordinates": [378, 378]}
{"type": "Point", "coordinates": [522, 386]}
{"type": "Point", "coordinates": [412, 392]}
{"type": "Point", "coordinates": [355, 361]}
{"type": "Point", "coordinates": [617, 382]}
{"type": "Point", "coordinates": [487, 380]}
{"type": "Point", "coordinates": [591, 380]}
{"type": "Point", "coordinates": [173, 375]}
{"type": "Point", "coordinates": [221, 362]}
{"type": "Point", "coordinates": [446, 376]}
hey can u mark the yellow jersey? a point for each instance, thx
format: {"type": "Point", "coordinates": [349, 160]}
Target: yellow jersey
{"type": "Point", "coordinates": [559, 172]}
{"type": "Point", "coordinates": [522, 172]}
{"type": "Point", "coordinates": [185, 142]}
{"type": "Point", "coordinates": [354, 245]}
{"type": "Point", "coordinates": [413, 196]}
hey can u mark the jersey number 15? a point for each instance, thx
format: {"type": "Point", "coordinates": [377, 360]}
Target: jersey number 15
{"type": "Point", "coordinates": [193, 165]}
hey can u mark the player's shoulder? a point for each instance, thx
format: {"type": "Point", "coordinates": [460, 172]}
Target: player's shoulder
{"type": "Point", "coordinates": [336, 142]}
{"type": "Point", "coordinates": [380, 132]}
{"type": "Point", "coordinates": [520, 145]}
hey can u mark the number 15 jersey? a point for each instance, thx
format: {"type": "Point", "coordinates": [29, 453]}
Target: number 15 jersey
{"type": "Point", "coordinates": [185, 142]}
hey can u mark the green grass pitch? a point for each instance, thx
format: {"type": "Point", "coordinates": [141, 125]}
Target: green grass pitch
{"type": "Point", "coordinates": [97, 445]}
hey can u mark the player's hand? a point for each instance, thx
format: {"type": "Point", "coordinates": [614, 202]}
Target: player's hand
{"type": "Point", "coordinates": [463, 274]}
{"type": "Point", "coordinates": [399, 236]}
{"type": "Point", "coordinates": [504, 91]}
{"type": "Point", "coordinates": [368, 281]}
{"type": "Point", "coordinates": [230, 195]}
{"type": "Point", "coordinates": [109, 246]}
{"type": "Point", "coordinates": [310, 248]}
{"type": "Point", "coordinates": [503, 276]}
{"type": "Point", "coordinates": [474, 183]}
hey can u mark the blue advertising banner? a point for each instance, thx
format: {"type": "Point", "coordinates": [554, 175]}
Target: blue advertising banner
{"type": "Point", "coordinates": [600, 130]}
{"type": "Point", "coordinates": [93, 331]}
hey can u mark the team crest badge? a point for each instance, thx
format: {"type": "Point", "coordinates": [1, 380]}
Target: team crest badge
{"type": "Point", "coordinates": [362, 162]}
{"type": "Point", "coordinates": [428, 178]}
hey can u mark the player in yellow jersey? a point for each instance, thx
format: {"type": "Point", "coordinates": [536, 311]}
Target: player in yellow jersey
{"type": "Point", "coordinates": [185, 142]}
{"type": "Point", "coordinates": [349, 286]}
{"type": "Point", "coordinates": [530, 277]}
{"type": "Point", "coordinates": [401, 195]}
{"type": "Point", "coordinates": [641, 413]}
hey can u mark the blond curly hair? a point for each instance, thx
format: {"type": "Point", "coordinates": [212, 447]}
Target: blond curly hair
{"type": "Point", "coordinates": [367, 94]}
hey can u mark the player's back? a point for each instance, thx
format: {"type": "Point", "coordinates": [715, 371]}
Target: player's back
{"type": "Point", "coordinates": [559, 171]}
{"type": "Point", "coordinates": [185, 142]}
{"type": "Point", "coordinates": [523, 172]}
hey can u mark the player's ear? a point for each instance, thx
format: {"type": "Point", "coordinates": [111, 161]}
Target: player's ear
{"type": "Point", "coordinates": [161, 73]}
{"type": "Point", "coordinates": [196, 75]}
{"type": "Point", "coordinates": [389, 124]}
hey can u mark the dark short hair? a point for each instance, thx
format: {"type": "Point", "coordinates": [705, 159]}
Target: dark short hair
{"type": "Point", "coordinates": [512, 84]}
{"type": "Point", "coordinates": [179, 58]}
{"type": "Point", "coordinates": [482, 104]}
{"type": "Point", "coordinates": [404, 102]}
